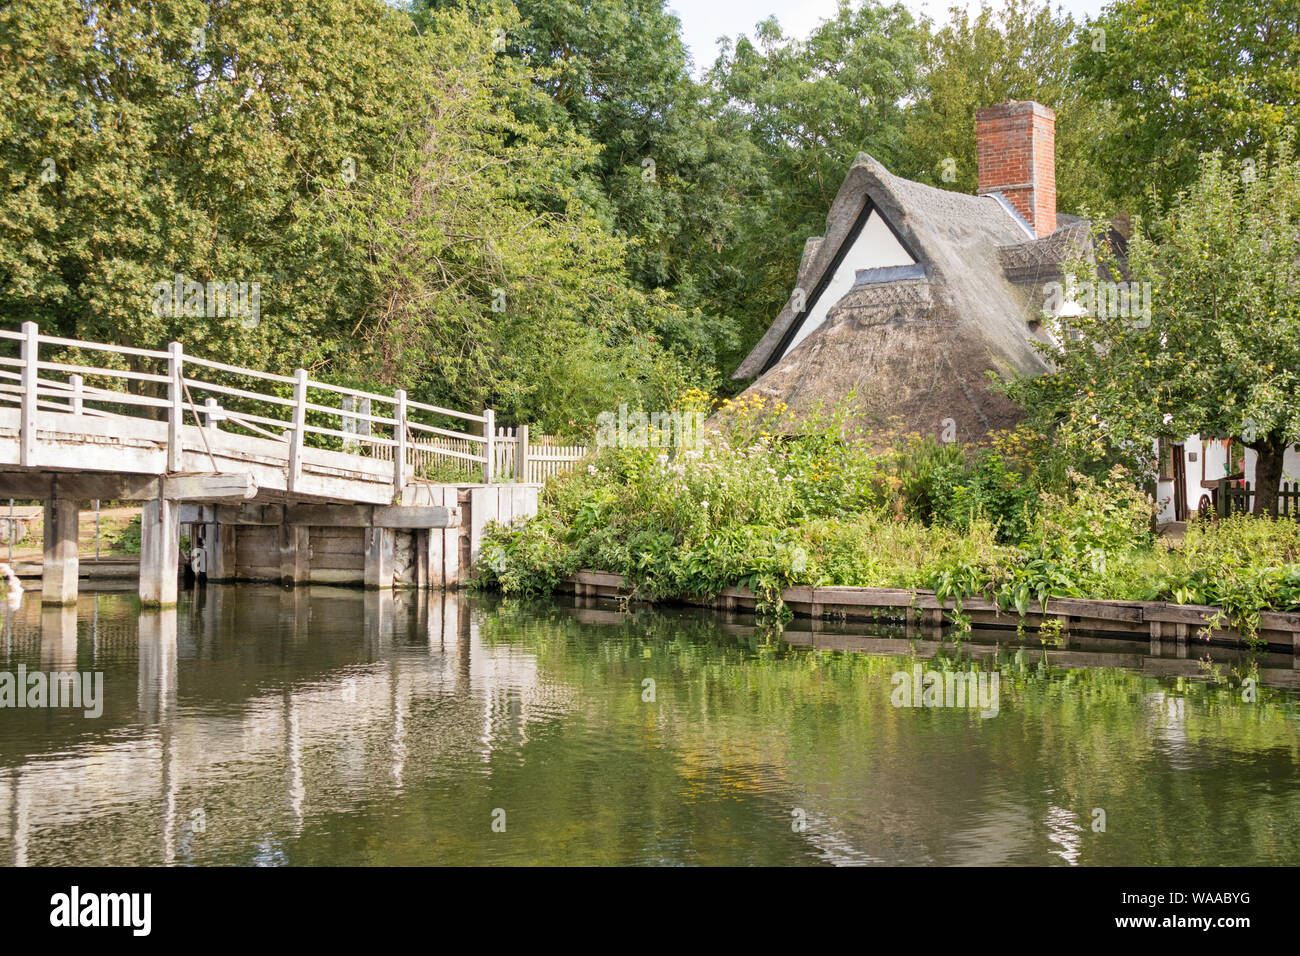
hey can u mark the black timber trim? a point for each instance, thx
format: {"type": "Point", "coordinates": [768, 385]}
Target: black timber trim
{"type": "Point", "coordinates": [859, 223]}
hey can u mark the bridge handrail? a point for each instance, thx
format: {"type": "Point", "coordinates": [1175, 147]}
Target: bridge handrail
{"type": "Point", "coordinates": [34, 392]}
{"type": "Point", "coordinates": [238, 370]}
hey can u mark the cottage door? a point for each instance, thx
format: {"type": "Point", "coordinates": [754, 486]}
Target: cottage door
{"type": "Point", "coordinates": [1180, 484]}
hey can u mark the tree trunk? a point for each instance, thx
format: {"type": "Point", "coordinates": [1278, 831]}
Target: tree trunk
{"type": "Point", "coordinates": [1270, 454]}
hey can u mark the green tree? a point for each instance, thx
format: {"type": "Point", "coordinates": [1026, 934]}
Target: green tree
{"type": "Point", "coordinates": [379, 183]}
{"type": "Point", "coordinates": [1220, 353]}
{"type": "Point", "coordinates": [669, 175]}
{"type": "Point", "coordinates": [142, 141]}
{"type": "Point", "coordinates": [1021, 52]}
{"type": "Point", "coordinates": [1184, 77]}
{"type": "Point", "coordinates": [474, 291]}
{"type": "Point", "coordinates": [810, 106]}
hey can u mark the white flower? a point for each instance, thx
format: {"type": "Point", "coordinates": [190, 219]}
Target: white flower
{"type": "Point", "coordinates": [704, 504]}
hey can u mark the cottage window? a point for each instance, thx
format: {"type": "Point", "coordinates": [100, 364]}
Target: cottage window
{"type": "Point", "coordinates": [1166, 460]}
{"type": "Point", "coordinates": [1236, 457]}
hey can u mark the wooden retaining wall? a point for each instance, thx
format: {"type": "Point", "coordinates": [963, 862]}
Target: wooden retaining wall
{"type": "Point", "coordinates": [1155, 620]}
{"type": "Point", "coordinates": [338, 555]}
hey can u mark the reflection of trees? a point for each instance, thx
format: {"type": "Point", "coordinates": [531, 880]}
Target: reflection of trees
{"type": "Point", "coordinates": [326, 727]}
{"type": "Point", "coordinates": [1199, 776]}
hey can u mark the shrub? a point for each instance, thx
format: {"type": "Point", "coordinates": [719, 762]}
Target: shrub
{"type": "Point", "coordinates": [766, 510]}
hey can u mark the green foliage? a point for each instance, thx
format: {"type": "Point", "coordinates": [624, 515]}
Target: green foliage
{"type": "Point", "coordinates": [669, 173]}
{"type": "Point", "coordinates": [920, 463]}
{"type": "Point", "coordinates": [140, 141]}
{"type": "Point", "coordinates": [1184, 77]}
{"type": "Point", "coordinates": [750, 508]}
{"type": "Point", "coordinates": [961, 492]}
{"type": "Point", "coordinates": [1220, 353]}
{"type": "Point", "coordinates": [1021, 51]}
{"type": "Point", "coordinates": [381, 194]}
{"type": "Point", "coordinates": [128, 539]}
{"type": "Point", "coordinates": [1241, 564]}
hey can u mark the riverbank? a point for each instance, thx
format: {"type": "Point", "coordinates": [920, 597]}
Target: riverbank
{"type": "Point", "coordinates": [921, 612]}
{"type": "Point", "coordinates": [995, 531]}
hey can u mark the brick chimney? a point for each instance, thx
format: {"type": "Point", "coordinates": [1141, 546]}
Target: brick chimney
{"type": "Point", "coordinates": [1016, 145]}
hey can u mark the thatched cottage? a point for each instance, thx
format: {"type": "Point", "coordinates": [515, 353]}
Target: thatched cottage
{"type": "Point", "coordinates": [916, 296]}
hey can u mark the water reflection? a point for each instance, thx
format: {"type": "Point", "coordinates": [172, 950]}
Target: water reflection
{"type": "Point", "coordinates": [264, 726]}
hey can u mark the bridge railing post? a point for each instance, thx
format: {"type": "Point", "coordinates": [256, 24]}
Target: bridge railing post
{"type": "Point", "coordinates": [27, 417]}
{"type": "Point", "coordinates": [299, 431]}
{"type": "Point", "coordinates": [489, 445]}
{"type": "Point", "coordinates": [176, 412]}
{"type": "Point", "coordinates": [75, 403]}
{"type": "Point", "coordinates": [399, 450]}
{"type": "Point", "coordinates": [212, 414]}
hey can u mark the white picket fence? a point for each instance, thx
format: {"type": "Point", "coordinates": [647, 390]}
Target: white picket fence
{"type": "Point", "coordinates": [516, 456]}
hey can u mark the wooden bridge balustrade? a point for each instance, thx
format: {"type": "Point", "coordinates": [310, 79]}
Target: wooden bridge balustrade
{"type": "Point", "coordinates": [261, 446]}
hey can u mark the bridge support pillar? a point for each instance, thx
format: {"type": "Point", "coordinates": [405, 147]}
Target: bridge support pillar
{"type": "Point", "coordinates": [295, 554]}
{"type": "Point", "coordinates": [220, 542]}
{"type": "Point", "coordinates": [160, 552]}
{"type": "Point", "coordinates": [380, 544]}
{"type": "Point", "coordinates": [59, 571]}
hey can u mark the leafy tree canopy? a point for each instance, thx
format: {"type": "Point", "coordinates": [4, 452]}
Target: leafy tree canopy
{"type": "Point", "coordinates": [1219, 352]}
{"type": "Point", "coordinates": [1184, 77]}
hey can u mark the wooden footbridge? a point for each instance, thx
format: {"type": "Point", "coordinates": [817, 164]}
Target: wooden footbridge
{"type": "Point", "coordinates": [237, 453]}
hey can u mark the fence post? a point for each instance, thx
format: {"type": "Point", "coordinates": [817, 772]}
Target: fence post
{"type": "Point", "coordinates": [75, 402]}
{"type": "Point", "coordinates": [299, 420]}
{"type": "Point", "coordinates": [27, 419]}
{"type": "Point", "coordinates": [399, 450]}
{"type": "Point", "coordinates": [521, 454]}
{"type": "Point", "coordinates": [349, 422]}
{"type": "Point", "coordinates": [489, 445]}
{"type": "Point", "coordinates": [176, 413]}
{"type": "Point", "coordinates": [212, 412]}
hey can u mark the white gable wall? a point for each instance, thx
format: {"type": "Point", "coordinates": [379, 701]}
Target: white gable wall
{"type": "Point", "coordinates": [875, 248]}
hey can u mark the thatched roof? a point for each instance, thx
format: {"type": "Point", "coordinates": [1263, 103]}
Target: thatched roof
{"type": "Point", "coordinates": [917, 342]}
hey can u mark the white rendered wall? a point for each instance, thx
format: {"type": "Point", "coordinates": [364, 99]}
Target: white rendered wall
{"type": "Point", "coordinates": [874, 248]}
{"type": "Point", "coordinates": [1290, 465]}
{"type": "Point", "coordinates": [1202, 460]}
{"type": "Point", "coordinates": [1211, 464]}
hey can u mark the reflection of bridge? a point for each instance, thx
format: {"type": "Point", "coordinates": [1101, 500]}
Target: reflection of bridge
{"type": "Point", "coordinates": [193, 740]}
{"type": "Point", "coordinates": [284, 455]}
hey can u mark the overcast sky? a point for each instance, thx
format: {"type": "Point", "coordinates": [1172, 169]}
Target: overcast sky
{"type": "Point", "coordinates": [703, 21]}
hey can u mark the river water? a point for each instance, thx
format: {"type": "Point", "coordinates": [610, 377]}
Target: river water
{"type": "Point", "coordinates": [265, 726]}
